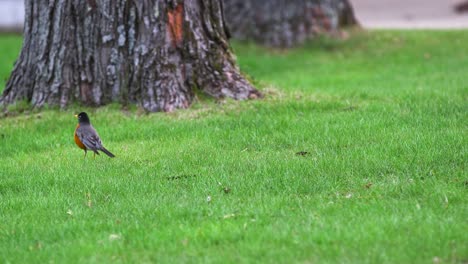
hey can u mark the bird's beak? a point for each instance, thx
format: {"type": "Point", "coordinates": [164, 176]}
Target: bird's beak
{"type": "Point", "coordinates": [76, 116]}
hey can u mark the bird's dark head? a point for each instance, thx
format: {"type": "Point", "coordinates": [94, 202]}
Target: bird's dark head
{"type": "Point", "coordinates": [83, 118]}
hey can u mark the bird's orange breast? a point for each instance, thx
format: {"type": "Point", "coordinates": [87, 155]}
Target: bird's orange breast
{"type": "Point", "coordinates": [77, 139]}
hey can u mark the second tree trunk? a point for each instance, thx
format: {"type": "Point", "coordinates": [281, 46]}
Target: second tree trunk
{"type": "Point", "coordinates": [285, 23]}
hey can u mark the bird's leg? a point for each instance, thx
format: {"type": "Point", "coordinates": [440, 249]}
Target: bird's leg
{"type": "Point", "coordinates": [85, 152]}
{"type": "Point", "coordinates": [94, 155]}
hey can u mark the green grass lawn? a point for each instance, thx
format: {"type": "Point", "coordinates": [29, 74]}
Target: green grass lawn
{"type": "Point", "coordinates": [381, 120]}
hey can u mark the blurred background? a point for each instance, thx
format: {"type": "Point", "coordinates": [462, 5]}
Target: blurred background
{"type": "Point", "coordinates": [370, 13]}
{"type": "Point", "coordinates": [11, 15]}
{"type": "Point", "coordinates": [412, 13]}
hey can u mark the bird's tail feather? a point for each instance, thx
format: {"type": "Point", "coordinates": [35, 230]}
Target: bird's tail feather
{"type": "Point", "coordinates": [108, 153]}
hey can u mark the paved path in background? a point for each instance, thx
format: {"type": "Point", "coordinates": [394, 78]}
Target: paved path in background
{"type": "Point", "coordinates": [406, 14]}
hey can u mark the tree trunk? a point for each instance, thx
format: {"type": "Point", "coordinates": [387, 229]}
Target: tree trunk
{"type": "Point", "coordinates": [151, 52]}
{"type": "Point", "coordinates": [285, 23]}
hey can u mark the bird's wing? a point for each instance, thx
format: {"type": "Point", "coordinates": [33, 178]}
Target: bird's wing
{"type": "Point", "coordinates": [89, 137]}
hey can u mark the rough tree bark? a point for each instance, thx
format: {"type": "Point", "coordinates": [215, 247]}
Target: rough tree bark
{"type": "Point", "coordinates": [285, 23]}
{"type": "Point", "coordinates": [151, 52]}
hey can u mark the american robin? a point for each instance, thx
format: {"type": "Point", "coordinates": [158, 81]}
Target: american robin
{"type": "Point", "coordinates": [87, 138]}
